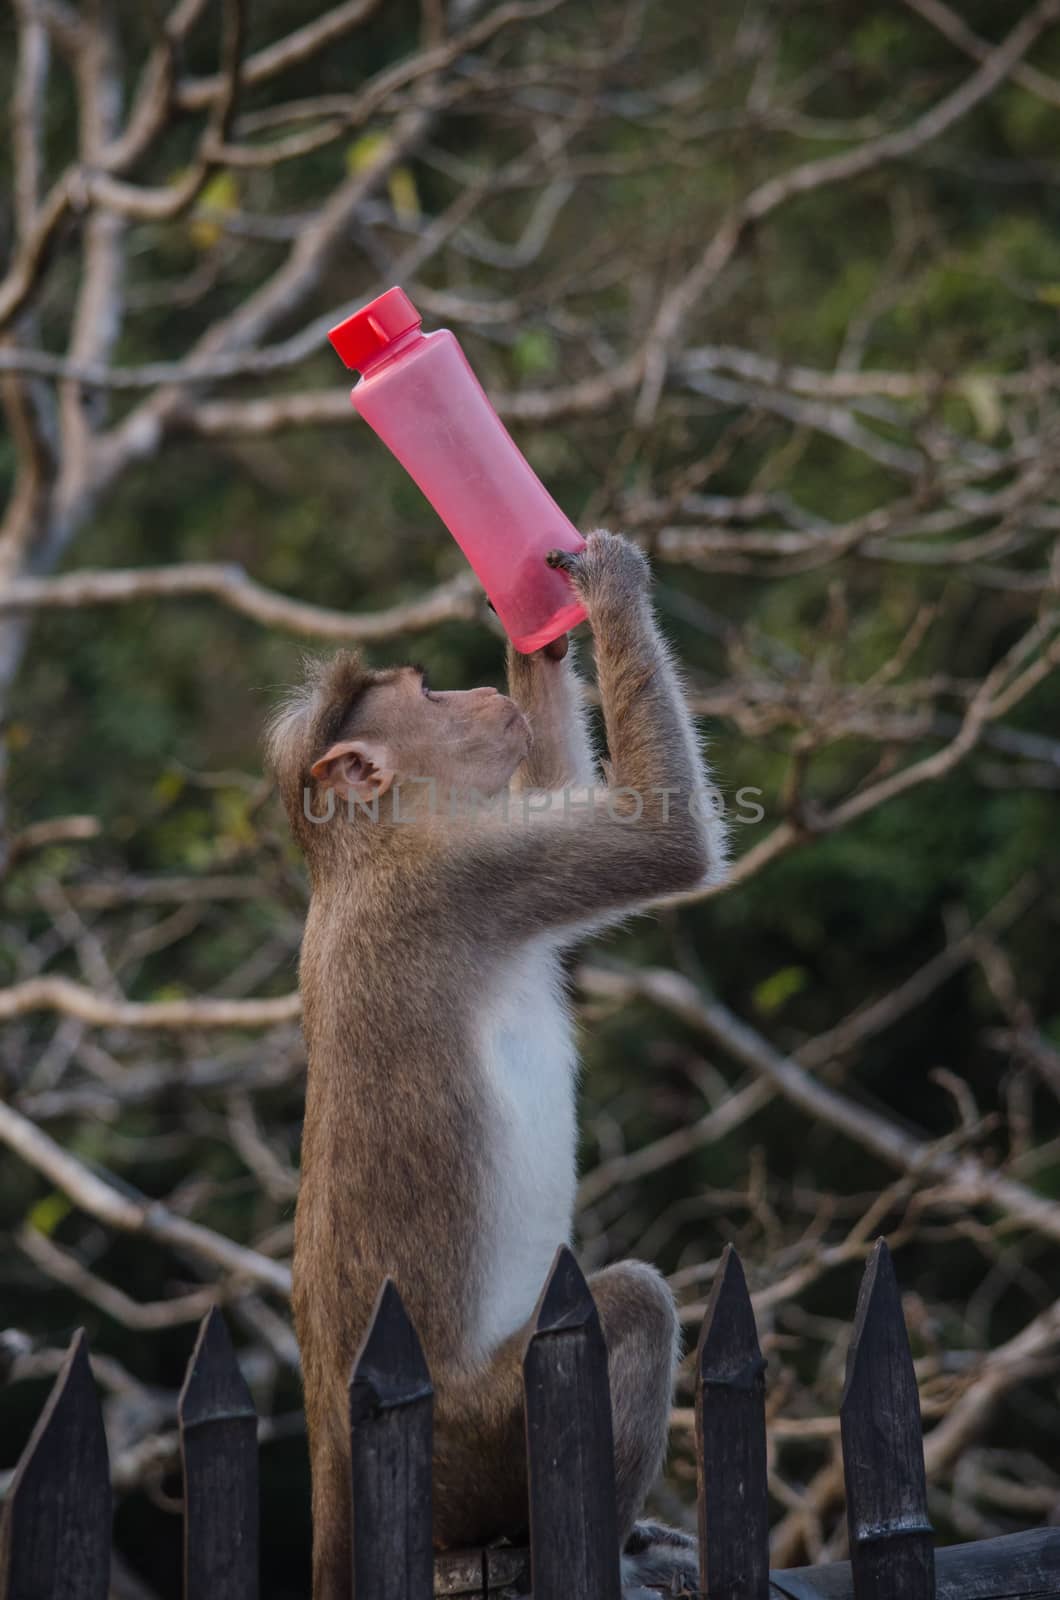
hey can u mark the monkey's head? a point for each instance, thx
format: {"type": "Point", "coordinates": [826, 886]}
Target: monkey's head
{"type": "Point", "coordinates": [360, 732]}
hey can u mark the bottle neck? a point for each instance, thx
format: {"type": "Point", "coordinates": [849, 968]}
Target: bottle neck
{"type": "Point", "coordinates": [395, 348]}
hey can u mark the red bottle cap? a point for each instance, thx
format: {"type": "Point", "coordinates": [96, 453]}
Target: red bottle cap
{"type": "Point", "coordinates": [367, 333]}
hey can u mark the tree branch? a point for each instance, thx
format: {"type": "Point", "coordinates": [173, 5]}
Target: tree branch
{"type": "Point", "coordinates": [457, 600]}
{"type": "Point", "coordinates": [813, 175]}
{"type": "Point", "coordinates": [957, 31]}
{"type": "Point", "coordinates": [76, 1000]}
{"type": "Point", "coordinates": [145, 1316]}
{"type": "Point", "coordinates": [197, 94]}
{"type": "Point", "coordinates": [118, 1210]}
{"type": "Point", "coordinates": [967, 1179]}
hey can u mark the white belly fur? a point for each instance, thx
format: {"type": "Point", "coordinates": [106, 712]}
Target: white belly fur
{"type": "Point", "coordinates": [529, 1063]}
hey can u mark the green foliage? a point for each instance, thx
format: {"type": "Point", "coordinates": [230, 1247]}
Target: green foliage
{"type": "Point", "coordinates": [773, 992]}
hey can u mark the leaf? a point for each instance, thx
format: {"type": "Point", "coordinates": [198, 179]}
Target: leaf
{"type": "Point", "coordinates": [404, 196]}
{"type": "Point", "coordinates": [169, 991]}
{"type": "Point", "coordinates": [371, 149]}
{"type": "Point", "coordinates": [774, 991]}
{"type": "Point", "coordinates": [366, 151]}
{"type": "Point", "coordinates": [985, 405]}
{"type": "Point", "coordinates": [534, 353]}
{"type": "Point", "coordinates": [234, 824]}
{"type": "Point", "coordinates": [168, 787]}
{"type": "Point", "coordinates": [220, 194]}
{"type": "Point", "coordinates": [878, 41]}
{"type": "Point", "coordinates": [46, 1215]}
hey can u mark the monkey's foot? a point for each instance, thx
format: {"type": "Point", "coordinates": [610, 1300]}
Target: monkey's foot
{"type": "Point", "coordinates": [659, 1560]}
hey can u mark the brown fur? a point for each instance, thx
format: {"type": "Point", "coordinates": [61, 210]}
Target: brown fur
{"type": "Point", "coordinates": [405, 926]}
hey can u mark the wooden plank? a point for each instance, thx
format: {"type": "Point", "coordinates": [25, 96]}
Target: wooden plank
{"type": "Point", "coordinates": [219, 1451]}
{"type": "Point", "coordinates": [570, 1449]}
{"type": "Point", "coordinates": [488, 1573]}
{"type": "Point", "coordinates": [391, 1433]}
{"type": "Point", "coordinates": [461, 1572]}
{"type": "Point", "coordinates": [883, 1453]}
{"type": "Point", "coordinates": [56, 1529]}
{"type": "Point", "coordinates": [507, 1572]}
{"type": "Point", "coordinates": [731, 1442]}
{"type": "Point", "coordinates": [1015, 1566]}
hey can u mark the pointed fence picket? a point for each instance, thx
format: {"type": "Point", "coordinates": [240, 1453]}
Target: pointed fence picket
{"type": "Point", "coordinates": [731, 1443]}
{"type": "Point", "coordinates": [891, 1539]}
{"type": "Point", "coordinates": [55, 1528]}
{"type": "Point", "coordinates": [391, 1427]}
{"type": "Point", "coordinates": [219, 1449]}
{"type": "Point", "coordinates": [55, 1532]}
{"type": "Point", "coordinates": [570, 1459]}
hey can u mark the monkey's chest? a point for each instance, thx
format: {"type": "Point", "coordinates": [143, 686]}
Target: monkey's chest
{"type": "Point", "coordinates": [528, 1062]}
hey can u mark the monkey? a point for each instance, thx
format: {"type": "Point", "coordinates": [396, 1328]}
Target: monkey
{"type": "Point", "coordinates": [457, 844]}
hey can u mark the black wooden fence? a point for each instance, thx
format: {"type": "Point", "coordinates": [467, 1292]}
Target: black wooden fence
{"type": "Point", "coordinates": [55, 1535]}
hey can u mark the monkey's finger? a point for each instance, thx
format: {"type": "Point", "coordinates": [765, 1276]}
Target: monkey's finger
{"type": "Point", "coordinates": [564, 560]}
{"type": "Point", "coordinates": [557, 648]}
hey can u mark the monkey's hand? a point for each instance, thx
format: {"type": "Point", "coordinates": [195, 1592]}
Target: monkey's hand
{"type": "Point", "coordinates": [610, 574]}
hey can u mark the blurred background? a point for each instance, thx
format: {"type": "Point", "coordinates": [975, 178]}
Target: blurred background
{"type": "Point", "coordinates": [773, 285]}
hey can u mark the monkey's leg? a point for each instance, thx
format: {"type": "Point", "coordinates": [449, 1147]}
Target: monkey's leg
{"type": "Point", "coordinates": [479, 1468]}
{"type": "Point", "coordinates": [480, 1485]}
{"type": "Point", "coordinates": [643, 1337]}
{"type": "Point", "coordinates": [330, 1459]}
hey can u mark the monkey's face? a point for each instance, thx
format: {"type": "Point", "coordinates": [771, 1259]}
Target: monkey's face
{"type": "Point", "coordinates": [454, 742]}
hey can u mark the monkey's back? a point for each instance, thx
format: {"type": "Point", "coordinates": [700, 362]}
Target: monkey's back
{"type": "Point", "coordinates": [390, 1183]}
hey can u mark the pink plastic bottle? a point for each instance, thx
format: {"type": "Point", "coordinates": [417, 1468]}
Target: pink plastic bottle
{"type": "Point", "coordinates": [423, 400]}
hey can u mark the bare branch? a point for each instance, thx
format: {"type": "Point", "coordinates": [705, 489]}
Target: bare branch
{"type": "Point", "coordinates": [312, 408]}
{"type": "Point", "coordinates": [97, 317]}
{"type": "Point", "coordinates": [145, 1316]}
{"type": "Point", "coordinates": [279, 297]}
{"type": "Point", "coordinates": [967, 1179]}
{"type": "Point", "coordinates": [197, 94]}
{"type": "Point", "coordinates": [27, 117]}
{"type": "Point", "coordinates": [112, 194]}
{"type": "Point", "coordinates": [812, 175]}
{"type": "Point", "coordinates": [115, 1207]}
{"type": "Point", "coordinates": [75, 1000]}
{"type": "Point", "coordinates": [715, 1124]}
{"type": "Point", "coordinates": [457, 600]}
{"type": "Point", "coordinates": [54, 830]}
{"type": "Point", "coordinates": [999, 692]}
{"type": "Point", "coordinates": [1034, 1349]}
{"type": "Point", "coordinates": [957, 31]}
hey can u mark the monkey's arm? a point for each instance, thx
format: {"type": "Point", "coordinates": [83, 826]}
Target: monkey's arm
{"type": "Point", "coordinates": [565, 857]}
{"type": "Point", "coordinates": [549, 693]}
{"type": "Point", "coordinates": [651, 737]}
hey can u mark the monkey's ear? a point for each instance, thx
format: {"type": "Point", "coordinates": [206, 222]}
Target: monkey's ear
{"type": "Point", "coordinates": [356, 765]}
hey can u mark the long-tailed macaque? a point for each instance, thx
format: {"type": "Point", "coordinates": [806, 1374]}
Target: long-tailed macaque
{"type": "Point", "coordinates": [456, 843]}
